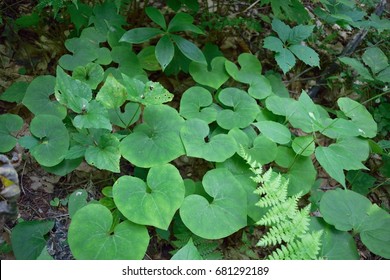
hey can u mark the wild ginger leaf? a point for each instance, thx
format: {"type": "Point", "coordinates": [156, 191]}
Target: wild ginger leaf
{"type": "Point", "coordinates": [90, 236]}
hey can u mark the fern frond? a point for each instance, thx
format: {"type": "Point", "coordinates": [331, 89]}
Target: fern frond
{"type": "Point", "coordinates": [305, 249]}
{"type": "Point", "coordinates": [280, 212]}
{"type": "Point", "coordinates": [288, 225]}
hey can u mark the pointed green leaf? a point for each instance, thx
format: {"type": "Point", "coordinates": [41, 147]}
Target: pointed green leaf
{"type": "Point", "coordinates": [140, 35]}
{"type": "Point", "coordinates": [8, 124]}
{"type": "Point", "coordinates": [151, 203]}
{"type": "Point", "coordinates": [183, 22]}
{"type": "Point", "coordinates": [306, 54]}
{"type": "Point", "coordinates": [330, 162]}
{"type": "Point", "coordinates": [273, 44]}
{"type": "Point", "coordinates": [189, 49]}
{"type": "Point", "coordinates": [90, 237]}
{"type": "Point", "coordinates": [218, 148]}
{"type": "Point", "coordinates": [155, 15]}
{"type": "Point", "coordinates": [37, 97]}
{"type": "Point", "coordinates": [285, 60]}
{"type": "Point", "coordinates": [71, 92]}
{"type": "Point", "coordinates": [187, 252]}
{"type": "Point", "coordinates": [359, 115]}
{"type": "Point", "coordinates": [358, 67]}
{"type": "Point", "coordinates": [15, 93]}
{"type": "Point", "coordinates": [300, 33]}
{"type": "Point", "coordinates": [196, 103]}
{"type": "Point", "coordinates": [156, 141]}
{"type": "Point", "coordinates": [226, 213]}
{"type": "Point", "coordinates": [375, 59]}
{"type": "Point", "coordinates": [105, 155]}
{"type": "Point", "coordinates": [112, 94]}
{"type": "Point", "coordinates": [164, 51]}
{"type": "Point", "coordinates": [282, 29]}
{"type": "Point", "coordinates": [28, 239]}
{"type": "Point", "coordinates": [384, 76]}
{"type": "Point", "coordinates": [242, 112]}
{"type": "Point", "coordinates": [274, 131]}
{"type": "Point", "coordinates": [215, 77]}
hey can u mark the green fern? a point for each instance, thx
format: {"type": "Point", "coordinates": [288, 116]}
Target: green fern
{"type": "Point", "coordinates": [288, 224]}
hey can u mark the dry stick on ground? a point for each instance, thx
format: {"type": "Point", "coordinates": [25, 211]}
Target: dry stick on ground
{"type": "Point", "coordinates": [348, 50]}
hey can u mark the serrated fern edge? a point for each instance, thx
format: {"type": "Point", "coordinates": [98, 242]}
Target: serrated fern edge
{"type": "Point", "coordinates": [288, 225]}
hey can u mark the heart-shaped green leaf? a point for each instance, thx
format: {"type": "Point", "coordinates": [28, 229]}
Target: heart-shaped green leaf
{"type": "Point", "coordinates": [53, 139]}
{"type": "Point", "coordinates": [215, 77]}
{"type": "Point", "coordinates": [375, 233]}
{"type": "Point", "coordinates": [153, 203]}
{"type": "Point", "coordinates": [222, 217]}
{"type": "Point", "coordinates": [9, 123]}
{"type": "Point", "coordinates": [157, 140]}
{"type": "Point", "coordinates": [336, 245]}
{"type": "Point", "coordinates": [95, 116]}
{"type": "Point", "coordinates": [28, 239]}
{"type": "Point", "coordinates": [112, 94]}
{"type": "Point", "coordinates": [240, 170]}
{"type": "Point", "coordinates": [263, 150]}
{"type": "Point", "coordinates": [91, 74]}
{"type": "Point", "coordinates": [243, 112]}
{"type": "Point", "coordinates": [130, 115]}
{"type": "Point", "coordinates": [71, 92]}
{"type": "Point", "coordinates": [274, 131]}
{"type": "Point", "coordinates": [196, 103]}
{"type": "Point", "coordinates": [345, 209]}
{"type": "Point", "coordinates": [250, 68]}
{"type": "Point", "coordinates": [37, 97]}
{"type": "Point", "coordinates": [90, 236]}
{"type": "Point", "coordinates": [105, 154]}
{"type": "Point", "coordinates": [218, 148]}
